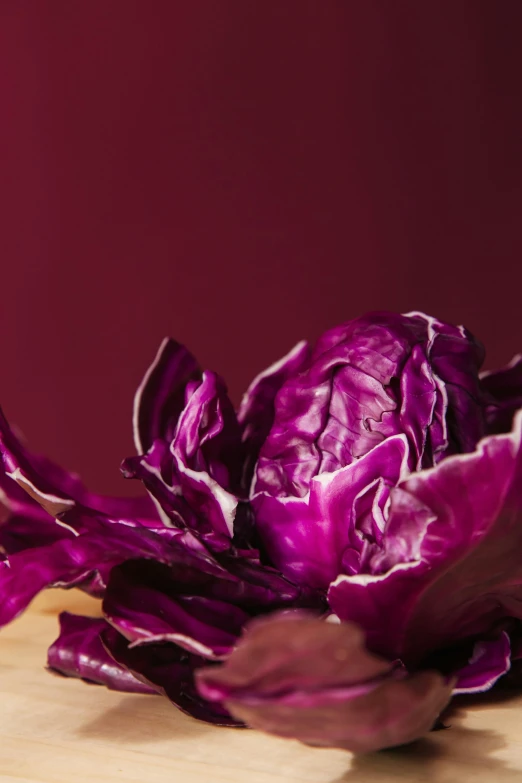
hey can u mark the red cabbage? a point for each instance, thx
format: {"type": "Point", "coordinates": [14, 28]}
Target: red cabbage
{"type": "Point", "coordinates": [330, 562]}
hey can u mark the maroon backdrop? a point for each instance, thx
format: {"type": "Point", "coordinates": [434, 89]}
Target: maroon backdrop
{"type": "Point", "coordinates": [240, 175]}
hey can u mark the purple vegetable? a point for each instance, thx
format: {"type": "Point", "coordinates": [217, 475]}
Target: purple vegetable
{"type": "Point", "coordinates": [368, 492]}
{"type": "Point", "coordinates": [79, 652]}
{"type": "Point", "coordinates": [369, 379]}
{"type": "Point", "coordinates": [316, 682]}
{"type": "Point", "coordinates": [449, 566]}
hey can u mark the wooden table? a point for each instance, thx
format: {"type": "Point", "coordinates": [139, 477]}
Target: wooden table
{"type": "Point", "coordinates": [62, 730]}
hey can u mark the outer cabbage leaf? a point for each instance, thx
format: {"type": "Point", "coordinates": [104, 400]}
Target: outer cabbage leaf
{"type": "Point", "coordinates": [54, 489]}
{"type": "Point", "coordinates": [170, 671]}
{"type": "Point", "coordinates": [192, 465]}
{"type": "Point", "coordinates": [316, 682]}
{"type": "Point", "coordinates": [79, 652]}
{"type": "Point", "coordinates": [160, 397]}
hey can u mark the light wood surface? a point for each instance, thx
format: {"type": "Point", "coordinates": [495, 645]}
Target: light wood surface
{"type": "Point", "coordinates": [59, 730]}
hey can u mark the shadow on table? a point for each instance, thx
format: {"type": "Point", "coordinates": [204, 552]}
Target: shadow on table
{"type": "Point", "coordinates": [141, 719]}
{"type": "Point", "coordinates": [456, 754]}
{"type": "Point", "coordinates": [478, 701]}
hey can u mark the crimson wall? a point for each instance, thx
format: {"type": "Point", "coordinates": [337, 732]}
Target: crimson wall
{"type": "Point", "coordinates": [240, 175]}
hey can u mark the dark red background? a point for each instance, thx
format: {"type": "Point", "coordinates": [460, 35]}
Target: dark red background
{"type": "Point", "coordinates": [240, 175]}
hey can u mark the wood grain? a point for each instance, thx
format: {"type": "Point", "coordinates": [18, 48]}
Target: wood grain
{"type": "Point", "coordinates": [58, 730]}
